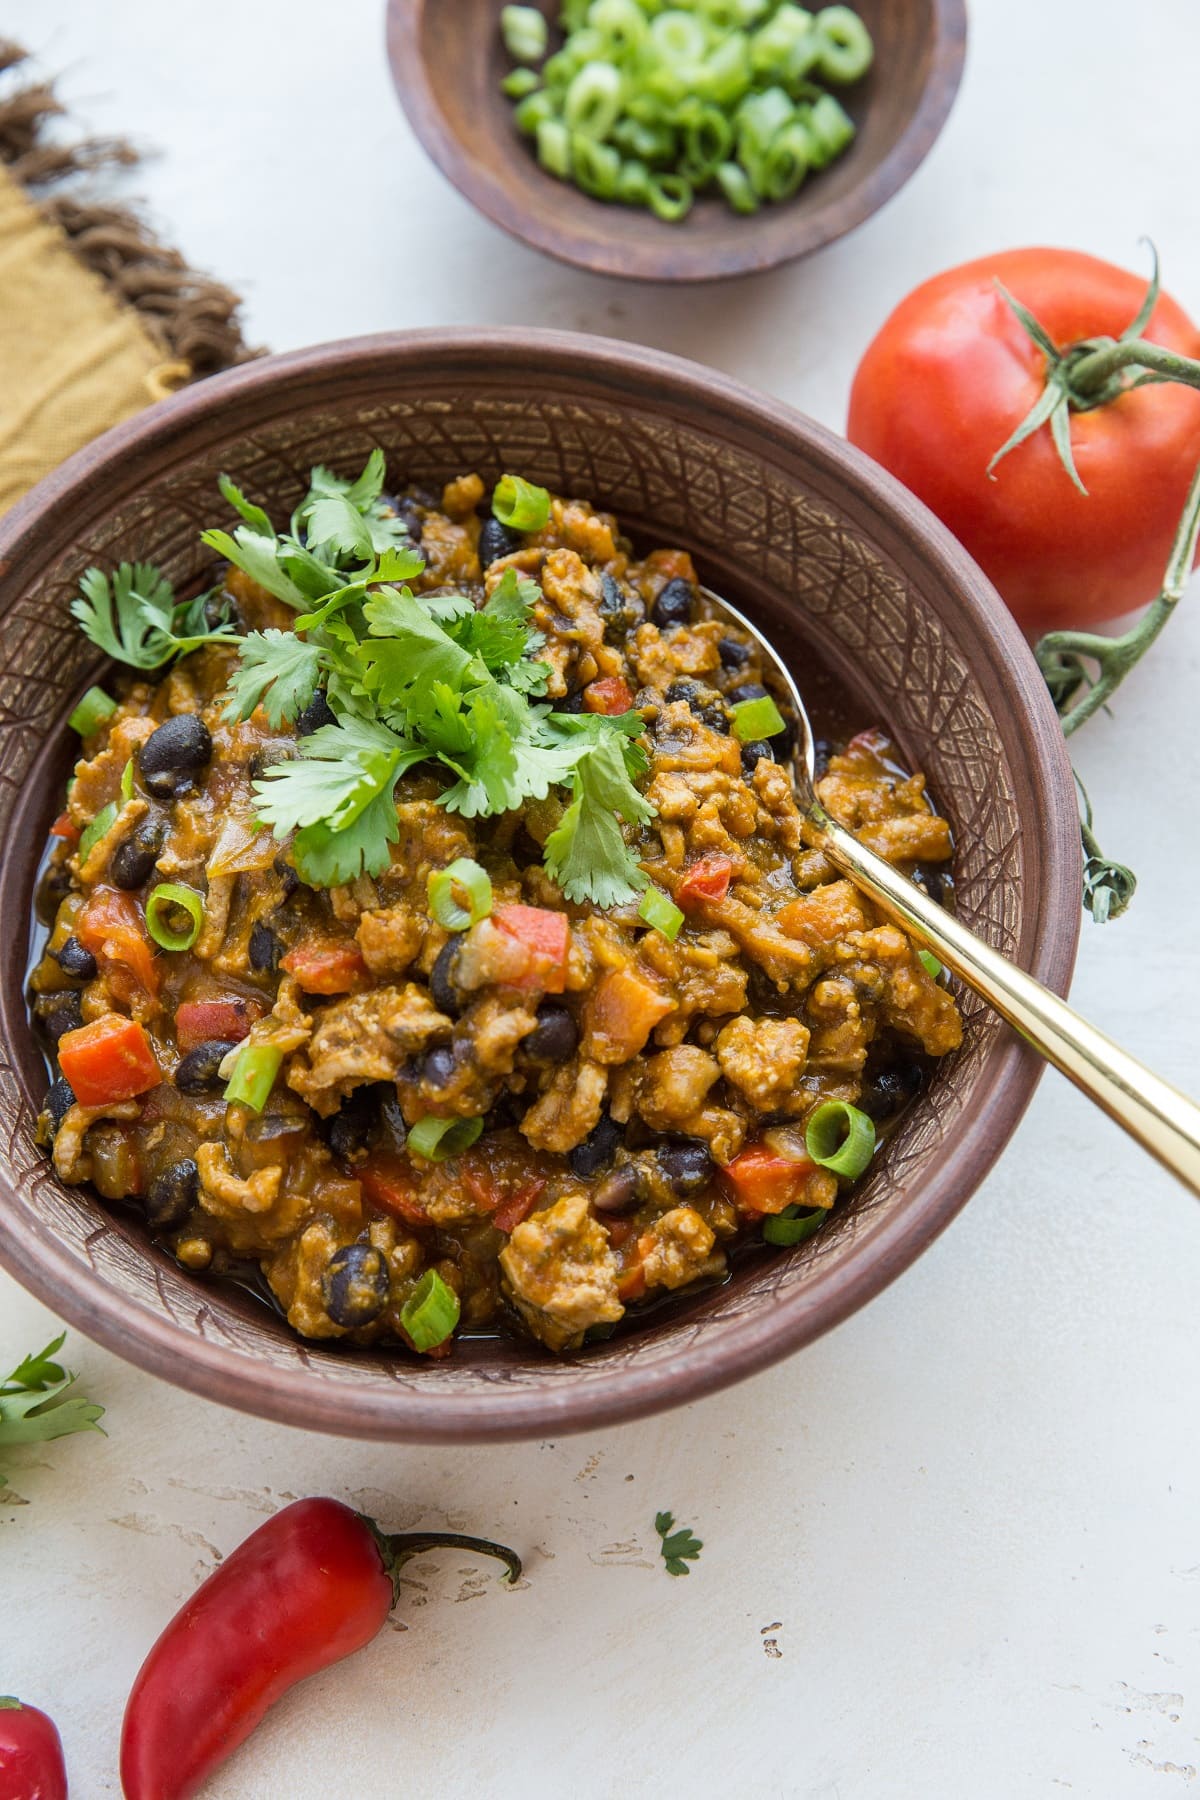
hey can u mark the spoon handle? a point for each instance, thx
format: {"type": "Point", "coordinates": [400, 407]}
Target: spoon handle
{"type": "Point", "coordinates": [1164, 1121]}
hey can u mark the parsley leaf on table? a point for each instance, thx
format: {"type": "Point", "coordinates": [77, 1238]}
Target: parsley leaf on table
{"type": "Point", "coordinates": [678, 1548]}
{"type": "Point", "coordinates": [134, 616]}
{"type": "Point", "coordinates": [33, 1403]}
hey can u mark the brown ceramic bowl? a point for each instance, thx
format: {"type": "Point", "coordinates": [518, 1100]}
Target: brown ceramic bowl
{"type": "Point", "coordinates": [448, 61]}
{"type": "Point", "coordinates": [790, 523]}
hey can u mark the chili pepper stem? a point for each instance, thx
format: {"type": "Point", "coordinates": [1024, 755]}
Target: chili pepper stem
{"type": "Point", "coordinates": [1061, 651]}
{"type": "Point", "coordinates": [397, 1548]}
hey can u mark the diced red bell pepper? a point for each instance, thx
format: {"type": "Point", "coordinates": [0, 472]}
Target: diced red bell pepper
{"type": "Point", "coordinates": [388, 1184]}
{"type": "Point", "coordinates": [206, 1021]}
{"type": "Point", "coordinates": [327, 968]}
{"type": "Point", "coordinates": [547, 935]}
{"type": "Point", "coordinates": [508, 1201]}
{"type": "Point", "coordinates": [517, 1206]}
{"type": "Point", "coordinates": [610, 695]}
{"type": "Point", "coordinates": [762, 1181]}
{"type": "Point", "coordinates": [65, 827]}
{"type": "Point", "coordinates": [111, 926]}
{"type": "Point", "coordinates": [631, 1282]}
{"type": "Point", "coordinates": [108, 1060]}
{"type": "Point", "coordinates": [706, 880]}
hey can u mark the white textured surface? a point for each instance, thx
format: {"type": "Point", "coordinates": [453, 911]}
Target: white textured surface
{"type": "Point", "coordinates": [951, 1550]}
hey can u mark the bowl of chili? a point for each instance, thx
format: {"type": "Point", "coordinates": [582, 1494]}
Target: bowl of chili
{"type": "Point", "coordinates": [838, 565]}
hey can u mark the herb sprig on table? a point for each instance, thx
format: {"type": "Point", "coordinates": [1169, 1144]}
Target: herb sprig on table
{"type": "Point", "coordinates": [410, 678]}
{"type": "Point", "coordinates": [678, 1548]}
{"type": "Point", "coordinates": [34, 1406]}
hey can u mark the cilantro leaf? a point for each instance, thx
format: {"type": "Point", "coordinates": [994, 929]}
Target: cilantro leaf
{"type": "Point", "coordinates": [586, 852]}
{"type": "Point", "coordinates": [38, 1370]}
{"type": "Point", "coordinates": [678, 1548]}
{"type": "Point", "coordinates": [337, 797]}
{"type": "Point", "coordinates": [254, 516]}
{"type": "Point", "coordinates": [279, 672]}
{"type": "Point", "coordinates": [33, 1403]}
{"type": "Point", "coordinates": [133, 616]}
{"type": "Point", "coordinates": [408, 650]}
{"type": "Point", "coordinates": [258, 557]}
{"type": "Point", "coordinates": [334, 522]}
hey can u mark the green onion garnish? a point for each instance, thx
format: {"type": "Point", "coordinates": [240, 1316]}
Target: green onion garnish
{"type": "Point", "coordinates": [840, 1137]}
{"type": "Point", "coordinates": [755, 719]}
{"type": "Point", "coordinates": [844, 45]}
{"type": "Point", "coordinates": [520, 505]}
{"type": "Point", "coordinates": [523, 29]}
{"type": "Point", "coordinates": [92, 711]}
{"type": "Point", "coordinates": [164, 904]}
{"type": "Point", "coordinates": [472, 882]}
{"type": "Point", "coordinates": [127, 781]}
{"type": "Point", "coordinates": [791, 1226]}
{"type": "Point", "coordinates": [254, 1076]}
{"type": "Point", "coordinates": [519, 83]}
{"type": "Point", "coordinates": [438, 1139]}
{"type": "Point", "coordinates": [431, 1312]}
{"type": "Point", "coordinates": [660, 911]}
{"type": "Point", "coordinates": [929, 963]}
{"type": "Point", "coordinates": [104, 821]}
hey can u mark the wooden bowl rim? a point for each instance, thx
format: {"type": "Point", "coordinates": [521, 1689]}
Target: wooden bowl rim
{"type": "Point", "coordinates": [45, 523]}
{"type": "Point", "coordinates": [612, 251]}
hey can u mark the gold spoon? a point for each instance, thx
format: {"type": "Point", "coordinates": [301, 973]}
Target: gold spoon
{"type": "Point", "coordinates": [1164, 1121]}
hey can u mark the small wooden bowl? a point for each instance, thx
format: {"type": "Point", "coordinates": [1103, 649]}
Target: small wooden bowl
{"type": "Point", "coordinates": [794, 526]}
{"type": "Point", "coordinates": [448, 61]}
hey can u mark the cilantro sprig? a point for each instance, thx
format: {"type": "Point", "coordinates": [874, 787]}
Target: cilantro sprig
{"type": "Point", "coordinates": [135, 618]}
{"type": "Point", "coordinates": [33, 1403]}
{"type": "Point", "coordinates": [678, 1548]}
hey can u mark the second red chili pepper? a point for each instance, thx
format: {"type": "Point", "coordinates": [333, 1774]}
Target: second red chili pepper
{"type": "Point", "coordinates": [312, 1585]}
{"type": "Point", "coordinates": [31, 1754]}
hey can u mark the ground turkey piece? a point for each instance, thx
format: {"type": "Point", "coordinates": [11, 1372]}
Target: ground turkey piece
{"type": "Point", "coordinates": [568, 1110]}
{"type": "Point", "coordinates": [368, 1037]}
{"type": "Point", "coordinates": [674, 1087]}
{"type": "Point", "coordinates": [677, 1249]}
{"type": "Point", "coordinates": [561, 1273]}
{"type": "Point", "coordinates": [762, 1059]}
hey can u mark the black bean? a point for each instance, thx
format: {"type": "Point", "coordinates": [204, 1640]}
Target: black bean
{"type": "Point", "coordinates": [684, 689]}
{"type": "Point", "coordinates": [65, 1015]}
{"type": "Point", "coordinates": [752, 752]}
{"type": "Point", "coordinates": [407, 512]}
{"type": "Point", "coordinates": [132, 862]}
{"type": "Point", "coordinates": [173, 755]}
{"type": "Point", "coordinates": [52, 889]}
{"type": "Point", "coordinates": [597, 1151]}
{"type": "Point", "coordinates": [59, 1102]}
{"type": "Point", "coordinates": [349, 1132]}
{"type": "Point", "coordinates": [74, 958]}
{"type": "Point", "coordinates": [929, 877]}
{"type": "Point", "coordinates": [286, 874]}
{"type": "Point", "coordinates": [822, 751]}
{"type": "Point", "coordinates": [746, 690]}
{"type": "Point", "coordinates": [264, 948]}
{"type": "Point", "coordinates": [621, 609]}
{"type": "Point", "coordinates": [570, 703]}
{"type": "Point", "coordinates": [172, 1195]}
{"type": "Point", "coordinates": [733, 653]}
{"type": "Point", "coordinates": [674, 603]}
{"type": "Point", "coordinates": [887, 1092]}
{"type": "Point", "coordinates": [495, 541]}
{"type": "Point", "coordinates": [442, 986]}
{"type": "Point", "coordinates": [439, 1067]}
{"type": "Point", "coordinates": [393, 1132]}
{"type": "Point", "coordinates": [357, 1284]}
{"type": "Point", "coordinates": [317, 713]}
{"type": "Point", "coordinates": [554, 1037]}
{"type": "Point", "coordinates": [687, 1166]}
{"type": "Point", "coordinates": [221, 608]}
{"type": "Point", "coordinates": [198, 1071]}
{"type": "Point", "coordinates": [705, 703]}
{"type": "Point", "coordinates": [618, 1192]}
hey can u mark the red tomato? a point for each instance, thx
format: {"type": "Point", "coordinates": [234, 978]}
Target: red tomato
{"type": "Point", "coordinates": [203, 1021]}
{"type": "Point", "coordinates": [388, 1185]}
{"type": "Point", "coordinates": [610, 696]}
{"type": "Point", "coordinates": [953, 372]}
{"type": "Point", "coordinates": [762, 1181]}
{"type": "Point", "coordinates": [547, 935]}
{"type": "Point", "coordinates": [109, 1060]}
{"type": "Point", "coordinates": [706, 880]}
{"type": "Point", "coordinates": [111, 926]}
{"type": "Point", "coordinates": [326, 967]}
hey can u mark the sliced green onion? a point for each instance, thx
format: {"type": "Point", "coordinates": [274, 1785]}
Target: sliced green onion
{"type": "Point", "coordinates": [670, 197]}
{"type": "Point", "coordinates": [678, 37]}
{"type": "Point", "coordinates": [472, 881]}
{"type": "Point", "coordinates": [735, 185]}
{"type": "Point", "coordinates": [518, 83]}
{"type": "Point", "coordinates": [830, 127]}
{"type": "Point", "coordinates": [254, 1075]}
{"type": "Point", "coordinates": [622, 22]}
{"type": "Point", "coordinates": [707, 140]}
{"type": "Point", "coordinates": [633, 186]}
{"type": "Point", "coordinates": [593, 100]}
{"type": "Point", "coordinates": [127, 781]}
{"type": "Point", "coordinates": [164, 903]}
{"type": "Point", "coordinates": [103, 822]}
{"type": "Point", "coordinates": [553, 145]}
{"type": "Point", "coordinates": [535, 111]}
{"type": "Point", "coordinates": [845, 48]}
{"type": "Point", "coordinates": [754, 719]}
{"type": "Point", "coordinates": [791, 1226]}
{"type": "Point", "coordinates": [524, 31]}
{"type": "Point", "coordinates": [841, 1138]}
{"type": "Point", "coordinates": [596, 166]}
{"type": "Point", "coordinates": [92, 711]}
{"type": "Point", "coordinates": [929, 963]}
{"type": "Point", "coordinates": [791, 154]}
{"type": "Point", "coordinates": [431, 1312]}
{"type": "Point", "coordinates": [438, 1139]}
{"type": "Point", "coordinates": [787, 44]}
{"type": "Point", "coordinates": [759, 118]}
{"type": "Point", "coordinates": [520, 505]}
{"type": "Point", "coordinates": [660, 911]}
{"type": "Point", "coordinates": [726, 75]}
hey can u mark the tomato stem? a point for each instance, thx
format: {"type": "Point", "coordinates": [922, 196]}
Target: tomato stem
{"type": "Point", "coordinates": [396, 1548]}
{"type": "Point", "coordinates": [1108, 886]}
{"type": "Point", "coordinates": [1093, 373]}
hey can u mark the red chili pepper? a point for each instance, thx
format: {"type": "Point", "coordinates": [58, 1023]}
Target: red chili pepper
{"type": "Point", "coordinates": [312, 1585]}
{"type": "Point", "coordinates": [31, 1754]}
{"type": "Point", "coordinates": [707, 879]}
{"type": "Point", "coordinates": [205, 1021]}
{"type": "Point", "coordinates": [611, 696]}
{"type": "Point", "coordinates": [65, 827]}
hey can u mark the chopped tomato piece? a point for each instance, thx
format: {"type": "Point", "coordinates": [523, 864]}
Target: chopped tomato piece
{"type": "Point", "coordinates": [672, 565]}
{"type": "Point", "coordinates": [65, 827]}
{"type": "Point", "coordinates": [619, 1231]}
{"type": "Point", "coordinates": [620, 1013]}
{"type": "Point", "coordinates": [205, 1021]}
{"type": "Point", "coordinates": [108, 1060]}
{"type": "Point", "coordinates": [762, 1181]}
{"type": "Point", "coordinates": [509, 1201]}
{"type": "Point", "coordinates": [111, 926]}
{"type": "Point", "coordinates": [706, 880]}
{"type": "Point", "coordinates": [326, 968]}
{"type": "Point", "coordinates": [517, 1207]}
{"type": "Point", "coordinates": [611, 696]}
{"type": "Point", "coordinates": [546, 935]}
{"type": "Point", "coordinates": [631, 1282]}
{"type": "Point", "coordinates": [388, 1184]}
